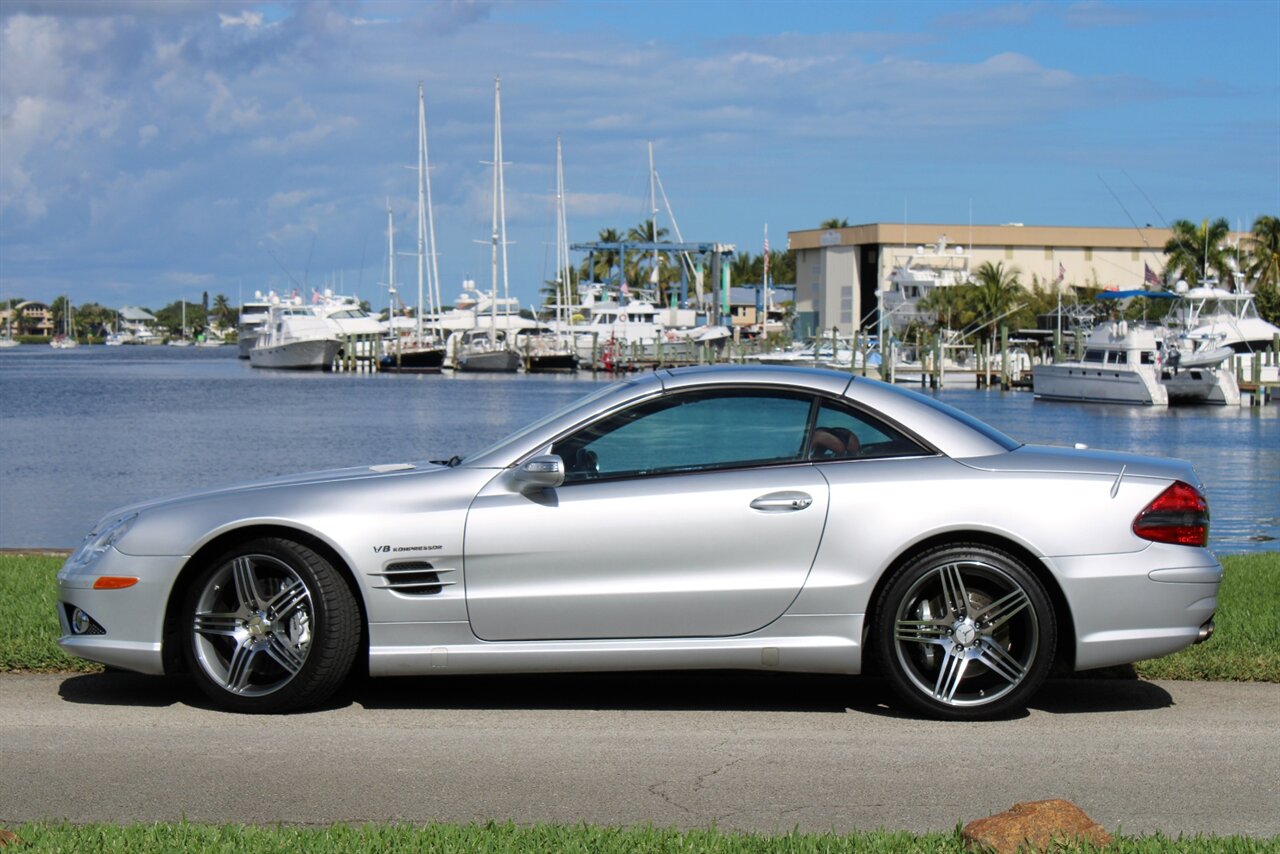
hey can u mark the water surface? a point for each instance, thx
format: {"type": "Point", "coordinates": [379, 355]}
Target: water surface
{"type": "Point", "coordinates": [90, 429]}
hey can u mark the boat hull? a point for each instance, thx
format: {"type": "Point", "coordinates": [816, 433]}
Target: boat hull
{"type": "Point", "coordinates": [1093, 384]}
{"type": "Point", "coordinates": [492, 361]}
{"type": "Point", "coordinates": [553, 362]}
{"type": "Point", "coordinates": [426, 359]}
{"type": "Point", "coordinates": [315, 354]}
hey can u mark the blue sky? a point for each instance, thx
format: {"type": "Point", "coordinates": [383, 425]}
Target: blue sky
{"type": "Point", "coordinates": [151, 151]}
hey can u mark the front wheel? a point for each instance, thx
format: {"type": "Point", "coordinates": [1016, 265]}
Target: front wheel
{"type": "Point", "coordinates": [270, 626]}
{"type": "Point", "coordinates": [965, 632]}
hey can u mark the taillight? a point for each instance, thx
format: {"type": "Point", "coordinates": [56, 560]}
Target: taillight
{"type": "Point", "coordinates": [1179, 515]}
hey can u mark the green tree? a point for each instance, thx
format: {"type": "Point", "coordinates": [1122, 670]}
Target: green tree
{"type": "Point", "coordinates": [639, 266]}
{"type": "Point", "coordinates": [834, 223]}
{"type": "Point", "coordinates": [995, 292]}
{"type": "Point", "coordinates": [1263, 267]}
{"type": "Point", "coordinates": [1194, 250]}
{"type": "Point", "coordinates": [604, 261]}
{"type": "Point", "coordinates": [1263, 247]}
{"type": "Point", "coordinates": [782, 267]}
{"type": "Point", "coordinates": [224, 315]}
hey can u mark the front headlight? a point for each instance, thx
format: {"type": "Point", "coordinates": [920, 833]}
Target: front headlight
{"type": "Point", "coordinates": [99, 540]}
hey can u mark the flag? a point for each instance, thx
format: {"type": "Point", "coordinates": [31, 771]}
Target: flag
{"type": "Point", "coordinates": [1062, 272]}
{"type": "Point", "coordinates": [1149, 276]}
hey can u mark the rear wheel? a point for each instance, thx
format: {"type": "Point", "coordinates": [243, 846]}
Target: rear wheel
{"type": "Point", "coordinates": [270, 626]}
{"type": "Point", "coordinates": [965, 632]}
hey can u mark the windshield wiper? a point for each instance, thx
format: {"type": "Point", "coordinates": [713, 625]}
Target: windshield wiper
{"type": "Point", "coordinates": [452, 462]}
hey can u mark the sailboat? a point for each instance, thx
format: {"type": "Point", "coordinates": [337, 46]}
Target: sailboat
{"type": "Point", "coordinates": [424, 351]}
{"type": "Point", "coordinates": [6, 335]}
{"type": "Point", "coordinates": [491, 350]}
{"type": "Point", "coordinates": [553, 349]}
{"type": "Point", "coordinates": [67, 339]}
{"type": "Point", "coordinates": [183, 341]}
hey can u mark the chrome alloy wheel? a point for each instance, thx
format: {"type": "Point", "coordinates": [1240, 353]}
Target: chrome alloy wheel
{"type": "Point", "coordinates": [252, 625]}
{"type": "Point", "coordinates": [966, 633]}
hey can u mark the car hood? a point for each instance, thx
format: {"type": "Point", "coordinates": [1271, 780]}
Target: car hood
{"type": "Point", "coordinates": [307, 502]}
{"type": "Point", "coordinates": [300, 479]}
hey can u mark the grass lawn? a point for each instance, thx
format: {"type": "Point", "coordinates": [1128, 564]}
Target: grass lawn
{"type": "Point", "coordinates": [510, 839]}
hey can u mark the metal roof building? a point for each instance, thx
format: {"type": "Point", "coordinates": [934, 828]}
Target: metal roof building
{"type": "Point", "coordinates": [840, 271]}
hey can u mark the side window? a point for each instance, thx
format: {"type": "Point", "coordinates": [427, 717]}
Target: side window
{"type": "Point", "coordinates": [843, 433]}
{"type": "Point", "coordinates": [692, 431]}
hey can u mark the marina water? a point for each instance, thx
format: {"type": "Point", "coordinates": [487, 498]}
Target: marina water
{"type": "Point", "coordinates": [84, 431]}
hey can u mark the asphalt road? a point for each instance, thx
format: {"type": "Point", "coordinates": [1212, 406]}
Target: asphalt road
{"type": "Point", "coordinates": [749, 752]}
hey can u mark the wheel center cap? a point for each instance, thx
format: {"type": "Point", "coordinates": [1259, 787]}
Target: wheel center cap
{"type": "Point", "coordinates": [258, 626]}
{"type": "Point", "coordinates": [964, 633]}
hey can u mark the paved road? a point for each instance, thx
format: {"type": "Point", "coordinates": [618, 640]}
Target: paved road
{"type": "Point", "coordinates": [749, 752]}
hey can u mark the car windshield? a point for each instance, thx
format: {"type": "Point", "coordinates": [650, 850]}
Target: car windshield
{"type": "Point", "coordinates": [545, 420]}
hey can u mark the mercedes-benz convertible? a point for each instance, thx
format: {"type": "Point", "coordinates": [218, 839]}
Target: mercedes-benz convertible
{"type": "Point", "coordinates": [719, 518]}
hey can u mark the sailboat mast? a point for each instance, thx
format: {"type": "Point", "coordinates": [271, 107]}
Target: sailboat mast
{"type": "Point", "coordinates": [434, 282]}
{"type": "Point", "coordinates": [653, 222]}
{"type": "Point", "coordinates": [497, 160]}
{"type": "Point", "coordinates": [502, 197]}
{"type": "Point", "coordinates": [562, 249]}
{"type": "Point", "coordinates": [422, 204]}
{"type": "Point", "coordinates": [391, 264]}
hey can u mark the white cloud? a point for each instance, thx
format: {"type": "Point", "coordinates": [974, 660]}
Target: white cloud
{"type": "Point", "coordinates": [247, 19]}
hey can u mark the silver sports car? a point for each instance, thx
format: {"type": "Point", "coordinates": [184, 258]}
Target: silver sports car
{"type": "Point", "coordinates": [734, 517]}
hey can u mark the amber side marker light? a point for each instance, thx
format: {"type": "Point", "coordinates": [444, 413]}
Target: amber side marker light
{"type": "Point", "coordinates": [1179, 515]}
{"type": "Point", "coordinates": [114, 582]}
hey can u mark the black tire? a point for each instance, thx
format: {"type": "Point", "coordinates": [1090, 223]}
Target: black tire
{"type": "Point", "coordinates": [965, 632]}
{"type": "Point", "coordinates": [269, 626]}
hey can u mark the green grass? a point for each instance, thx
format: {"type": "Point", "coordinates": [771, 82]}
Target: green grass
{"type": "Point", "coordinates": [509, 839]}
{"type": "Point", "coordinates": [29, 619]}
{"type": "Point", "coordinates": [1245, 647]}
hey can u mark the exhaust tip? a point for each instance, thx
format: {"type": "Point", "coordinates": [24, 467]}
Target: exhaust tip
{"type": "Point", "coordinates": [1206, 632]}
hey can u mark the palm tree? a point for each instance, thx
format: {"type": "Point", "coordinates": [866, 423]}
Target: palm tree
{"type": "Point", "coordinates": [834, 223]}
{"type": "Point", "coordinates": [1194, 251]}
{"type": "Point", "coordinates": [1263, 266]}
{"type": "Point", "coordinates": [223, 312]}
{"type": "Point", "coordinates": [995, 291]}
{"type": "Point", "coordinates": [744, 268]}
{"type": "Point", "coordinates": [605, 260]}
{"type": "Point", "coordinates": [646, 232]}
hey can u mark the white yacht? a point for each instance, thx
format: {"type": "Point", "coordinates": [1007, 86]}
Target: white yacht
{"type": "Point", "coordinates": [252, 315]}
{"type": "Point", "coordinates": [348, 319]}
{"type": "Point", "coordinates": [1135, 363]}
{"type": "Point", "coordinates": [293, 336]}
{"type": "Point", "coordinates": [917, 274]}
{"type": "Point", "coordinates": [1214, 317]}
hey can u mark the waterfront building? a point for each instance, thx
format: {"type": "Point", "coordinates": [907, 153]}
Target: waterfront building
{"type": "Point", "coordinates": [840, 271]}
{"type": "Point", "coordinates": [29, 318]}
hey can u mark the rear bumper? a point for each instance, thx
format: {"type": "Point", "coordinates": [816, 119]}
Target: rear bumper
{"type": "Point", "coordinates": [1147, 604]}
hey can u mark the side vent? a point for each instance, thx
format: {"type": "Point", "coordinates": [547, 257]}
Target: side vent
{"type": "Point", "coordinates": [416, 578]}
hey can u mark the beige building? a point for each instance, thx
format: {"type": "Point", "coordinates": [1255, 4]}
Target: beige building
{"type": "Point", "coordinates": [839, 271]}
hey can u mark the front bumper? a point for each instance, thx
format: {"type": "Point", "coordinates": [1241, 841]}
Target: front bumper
{"type": "Point", "coordinates": [132, 619]}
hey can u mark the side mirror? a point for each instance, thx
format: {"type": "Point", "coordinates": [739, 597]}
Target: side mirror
{"type": "Point", "coordinates": [543, 472]}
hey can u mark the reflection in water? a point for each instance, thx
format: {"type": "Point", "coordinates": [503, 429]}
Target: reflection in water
{"type": "Point", "coordinates": [94, 428]}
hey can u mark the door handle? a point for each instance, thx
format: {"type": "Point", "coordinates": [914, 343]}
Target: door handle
{"type": "Point", "coordinates": [776, 501]}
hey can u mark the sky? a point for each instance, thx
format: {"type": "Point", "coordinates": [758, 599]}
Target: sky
{"type": "Point", "coordinates": [154, 151]}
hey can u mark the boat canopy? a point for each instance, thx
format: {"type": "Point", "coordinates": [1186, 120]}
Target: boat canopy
{"type": "Point", "coordinates": [1137, 293]}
